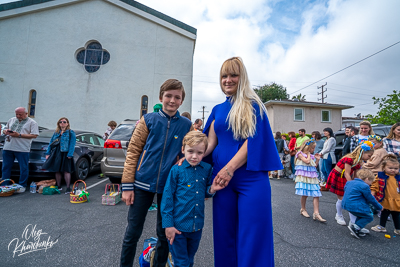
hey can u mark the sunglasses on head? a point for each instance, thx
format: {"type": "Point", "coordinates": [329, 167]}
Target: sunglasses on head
{"type": "Point", "coordinates": [63, 122]}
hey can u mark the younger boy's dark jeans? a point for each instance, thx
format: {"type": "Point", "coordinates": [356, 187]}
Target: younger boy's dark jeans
{"type": "Point", "coordinates": [136, 217]}
{"type": "Point", "coordinates": [185, 247]}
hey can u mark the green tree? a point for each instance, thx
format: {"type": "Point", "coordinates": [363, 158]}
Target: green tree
{"type": "Point", "coordinates": [271, 91]}
{"type": "Point", "coordinates": [388, 109]}
{"type": "Point", "coordinates": [300, 97]}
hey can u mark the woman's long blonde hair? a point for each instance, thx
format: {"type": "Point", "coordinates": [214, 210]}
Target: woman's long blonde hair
{"type": "Point", "coordinates": [242, 116]}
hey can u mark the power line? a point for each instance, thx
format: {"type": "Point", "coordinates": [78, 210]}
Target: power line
{"type": "Point", "coordinates": [346, 67]}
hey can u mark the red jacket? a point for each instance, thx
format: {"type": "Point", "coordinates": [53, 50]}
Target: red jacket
{"type": "Point", "coordinates": [292, 143]}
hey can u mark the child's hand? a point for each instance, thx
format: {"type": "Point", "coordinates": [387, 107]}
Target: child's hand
{"type": "Point", "coordinates": [216, 187]}
{"type": "Point", "coordinates": [317, 156]}
{"type": "Point", "coordinates": [170, 232]}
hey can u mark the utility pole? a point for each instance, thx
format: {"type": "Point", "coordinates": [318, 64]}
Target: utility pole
{"type": "Point", "coordinates": [322, 92]}
{"type": "Point", "coordinates": [203, 111]}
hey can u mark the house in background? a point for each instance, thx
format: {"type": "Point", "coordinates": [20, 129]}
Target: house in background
{"type": "Point", "coordinates": [291, 115]}
{"type": "Point", "coordinates": [352, 121]}
{"type": "Point", "coordinates": [90, 60]}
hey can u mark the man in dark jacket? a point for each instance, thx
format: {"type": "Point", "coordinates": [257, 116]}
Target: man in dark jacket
{"type": "Point", "coordinates": [346, 147]}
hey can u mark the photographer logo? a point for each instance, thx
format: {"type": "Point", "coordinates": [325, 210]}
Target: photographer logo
{"type": "Point", "coordinates": [32, 240]}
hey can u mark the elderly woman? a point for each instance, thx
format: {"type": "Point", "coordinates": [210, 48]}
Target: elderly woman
{"type": "Point", "coordinates": [243, 147]}
{"type": "Point", "coordinates": [60, 153]}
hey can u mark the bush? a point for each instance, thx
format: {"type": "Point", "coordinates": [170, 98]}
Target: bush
{"type": "Point", "coordinates": [297, 135]}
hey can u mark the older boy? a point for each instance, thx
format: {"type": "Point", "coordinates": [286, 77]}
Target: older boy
{"type": "Point", "coordinates": [182, 206]}
{"type": "Point", "coordinates": [153, 150]}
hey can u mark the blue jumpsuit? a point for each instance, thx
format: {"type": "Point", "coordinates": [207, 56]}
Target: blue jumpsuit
{"type": "Point", "coordinates": [242, 213]}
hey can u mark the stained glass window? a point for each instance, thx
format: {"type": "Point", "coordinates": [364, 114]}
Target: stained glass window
{"type": "Point", "coordinates": [93, 56]}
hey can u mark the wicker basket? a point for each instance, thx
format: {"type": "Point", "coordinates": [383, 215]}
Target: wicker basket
{"type": "Point", "coordinates": [115, 198]}
{"type": "Point", "coordinates": [76, 198]}
{"type": "Point", "coordinates": [8, 193]}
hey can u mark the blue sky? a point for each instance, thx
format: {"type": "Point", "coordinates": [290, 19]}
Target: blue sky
{"type": "Point", "coordinates": [294, 43]}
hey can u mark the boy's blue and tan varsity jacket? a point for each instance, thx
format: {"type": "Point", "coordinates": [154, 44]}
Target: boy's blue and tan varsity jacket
{"type": "Point", "coordinates": [153, 150]}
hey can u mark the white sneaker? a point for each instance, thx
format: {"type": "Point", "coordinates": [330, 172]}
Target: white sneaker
{"type": "Point", "coordinates": [340, 220]}
{"type": "Point", "coordinates": [364, 231]}
{"type": "Point", "coordinates": [21, 190]}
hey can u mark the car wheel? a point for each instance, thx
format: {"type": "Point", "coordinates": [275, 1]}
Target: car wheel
{"type": "Point", "coordinates": [115, 180]}
{"type": "Point", "coordinates": [82, 169]}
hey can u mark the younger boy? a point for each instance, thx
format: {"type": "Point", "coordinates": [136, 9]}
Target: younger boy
{"type": "Point", "coordinates": [182, 205]}
{"type": "Point", "coordinates": [356, 199]}
{"type": "Point", "coordinates": [153, 150]}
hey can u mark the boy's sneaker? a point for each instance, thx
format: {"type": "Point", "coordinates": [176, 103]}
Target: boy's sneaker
{"type": "Point", "coordinates": [21, 190]}
{"type": "Point", "coordinates": [60, 188]}
{"type": "Point", "coordinates": [379, 228]}
{"type": "Point", "coordinates": [153, 207]}
{"type": "Point", "coordinates": [354, 232]}
{"type": "Point", "coordinates": [397, 231]}
{"type": "Point", "coordinates": [362, 232]}
{"type": "Point", "coordinates": [340, 220]}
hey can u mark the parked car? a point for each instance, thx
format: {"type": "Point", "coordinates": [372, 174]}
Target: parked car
{"type": "Point", "coordinates": [379, 129]}
{"type": "Point", "coordinates": [115, 147]}
{"type": "Point", "coordinates": [87, 156]}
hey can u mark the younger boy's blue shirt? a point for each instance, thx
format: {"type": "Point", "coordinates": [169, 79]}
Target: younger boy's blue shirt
{"type": "Point", "coordinates": [357, 197]}
{"type": "Point", "coordinates": [182, 204]}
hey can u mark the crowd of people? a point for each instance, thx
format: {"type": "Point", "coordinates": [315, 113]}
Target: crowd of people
{"type": "Point", "coordinates": [368, 166]}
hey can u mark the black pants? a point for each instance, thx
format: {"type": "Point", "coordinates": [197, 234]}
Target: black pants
{"type": "Point", "coordinates": [395, 217]}
{"type": "Point", "coordinates": [136, 217]}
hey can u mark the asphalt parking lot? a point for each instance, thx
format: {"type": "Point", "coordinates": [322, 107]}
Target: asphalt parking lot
{"type": "Point", "coordinates": [90, 234]}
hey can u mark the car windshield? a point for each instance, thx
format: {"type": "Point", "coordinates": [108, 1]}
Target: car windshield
{"type": "Point", "coordinates": [123, 132]}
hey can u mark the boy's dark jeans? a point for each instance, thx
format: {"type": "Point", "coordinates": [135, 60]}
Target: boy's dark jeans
{"type": "Point", "coordinates": [136, 217]}
{"type": "Point", "coordinates": [185, 247]}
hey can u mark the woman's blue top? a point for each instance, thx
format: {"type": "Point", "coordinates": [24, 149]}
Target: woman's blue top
{"type": "Point", "coordinates": [261, 150]}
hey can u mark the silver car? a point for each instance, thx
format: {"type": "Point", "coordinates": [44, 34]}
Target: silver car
{"type": "Point", "coordinates": [112, 164]}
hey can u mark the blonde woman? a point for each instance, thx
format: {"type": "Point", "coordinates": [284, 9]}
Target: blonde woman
{"type": "Point", "coordinates": [244, 150]}
{"type": "Point", "coordinates": [365, 132]}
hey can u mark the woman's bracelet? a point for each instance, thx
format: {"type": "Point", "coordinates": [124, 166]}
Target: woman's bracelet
{"type": "Point", "coordinates": [230, 175]}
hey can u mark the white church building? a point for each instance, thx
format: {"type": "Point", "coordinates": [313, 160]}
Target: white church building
{"type": "Point", "coordinates": [91, 61]}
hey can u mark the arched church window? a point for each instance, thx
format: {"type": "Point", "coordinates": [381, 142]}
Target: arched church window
{"type": "Point", "coordinates": [32, 103]}
{"type": "Point", "coordinates": [144, 106]}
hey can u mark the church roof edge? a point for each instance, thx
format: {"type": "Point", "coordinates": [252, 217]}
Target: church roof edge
{"type": "Point", "coordinates": [25, 3]}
